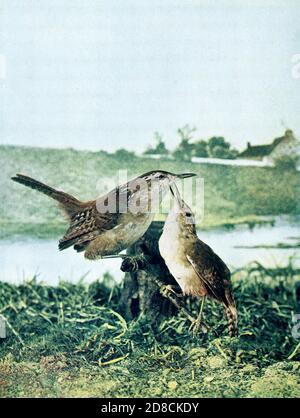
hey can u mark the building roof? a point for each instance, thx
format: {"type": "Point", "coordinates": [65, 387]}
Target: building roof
{"type": "Point", "coordinates": [257, 151]}
{"type": "Point", "coordinates": [264, 150]}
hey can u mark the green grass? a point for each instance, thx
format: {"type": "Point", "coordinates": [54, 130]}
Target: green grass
{"type": "Point", "coordinates": [72, 340]}
{"type": "Point", "coordinates": [232, 194]}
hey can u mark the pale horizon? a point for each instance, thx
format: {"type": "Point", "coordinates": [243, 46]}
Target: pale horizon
{"type": "Point", "coordinates": [105, 75]}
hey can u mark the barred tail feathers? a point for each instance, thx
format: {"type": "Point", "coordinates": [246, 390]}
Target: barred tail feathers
{"type": "Point", "coordinates": [231, 311]}
{"type": "Point", "coordinates": [68, 203]}
{"type": "Point", "coordinates": [231, 315]}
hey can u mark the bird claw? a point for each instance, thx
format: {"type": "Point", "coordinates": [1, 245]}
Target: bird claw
{"type": "Point", "coordinates": [130, 263]}
{"type": "Point", "coordinates": [196, 327]}
{"type": "Point", "coordinates": [167, 289]}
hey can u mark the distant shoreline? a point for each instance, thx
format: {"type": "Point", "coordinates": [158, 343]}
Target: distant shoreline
{"type": "Point", "coordinates": [233, 195]}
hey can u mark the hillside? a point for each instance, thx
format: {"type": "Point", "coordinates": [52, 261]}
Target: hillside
{"type": "Point", "coordinates": [232, 194]}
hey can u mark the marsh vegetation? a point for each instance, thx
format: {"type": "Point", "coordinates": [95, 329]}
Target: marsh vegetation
{"type": "Point", "coordinates": [72, 340]}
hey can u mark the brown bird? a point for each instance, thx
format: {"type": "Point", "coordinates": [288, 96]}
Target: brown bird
{"type": "Point", "coordinates": [195, 266]}
{"type": "Point", "coordinates": [111, 223]}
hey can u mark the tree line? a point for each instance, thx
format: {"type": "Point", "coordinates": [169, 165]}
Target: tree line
{"type": "Point", "coordinates": [188, 146]}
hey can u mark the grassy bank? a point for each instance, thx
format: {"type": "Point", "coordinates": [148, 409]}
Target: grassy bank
{"type": "Point", "coordinates": [232, 194]}
{"type": "Point", "coordinates": [72, 340]}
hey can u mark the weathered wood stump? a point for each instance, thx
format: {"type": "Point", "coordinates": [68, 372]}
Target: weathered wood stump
{"type": "Point", "coordinates": [141, 289]}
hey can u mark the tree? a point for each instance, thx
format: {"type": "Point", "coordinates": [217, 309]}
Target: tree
{"type": "Point", "coordinates": [124, 155]}
{"type": "Point", "coordinates": [200, 149]}
{"type": "Point", "coordinates": [185, 149]}
{"type": "Point", "coordinates": [217, 141]}
{"type": "Point", "coordinates": [219, 148]}
{"type": "Point", "coordinates": [287, 162]}
{"type": "Point", "coordinates": [160, 147]}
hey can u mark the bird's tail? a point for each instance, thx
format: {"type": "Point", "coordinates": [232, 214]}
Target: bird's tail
{"type": "Point", "coordinates": [231, 312]}
{"type": "Point", "coordinates": [68, 203]}
{"type": "Point", "coordinates": [231, 315]}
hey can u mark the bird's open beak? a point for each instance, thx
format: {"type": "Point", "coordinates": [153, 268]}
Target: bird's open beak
{"type": "Point", "coordinates": [176, 194]}
{"type": "Point", "coordinates": [172, 191]}
{"type": "Point", "coordinates": [185, 175]}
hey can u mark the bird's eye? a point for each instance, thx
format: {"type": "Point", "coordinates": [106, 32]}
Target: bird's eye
{"type": "Point", "coordinates": [188, 214]}
{"type": "Point", "coordinates": [161, 176]}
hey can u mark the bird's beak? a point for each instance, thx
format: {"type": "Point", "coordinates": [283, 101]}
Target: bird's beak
{"type": "Point", "coordinates": [172, 191]}
{"type": "Point", "coordinates": [185, 175]}
{"type": "Point", "coordinates": [176, 194]}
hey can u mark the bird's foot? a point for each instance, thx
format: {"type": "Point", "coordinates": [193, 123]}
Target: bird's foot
{"type": "Point", "coordinates": [130, 262]}
{"type": "Point", "coordinates": [133, 263]}
{"type": "Point", "coordinates": [196, 327]}
{"type": "Point", "coordinates": [167, 289]}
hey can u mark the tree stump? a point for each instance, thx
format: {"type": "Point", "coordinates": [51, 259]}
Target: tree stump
{"type": "Point", "coordinates": [141, 289]}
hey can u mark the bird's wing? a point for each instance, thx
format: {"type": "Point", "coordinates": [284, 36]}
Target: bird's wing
{"type": "Point", "coordinates": [96, 217]}
{"type": "Point", "coordinates": [210, 269]}
{"type": "Point", "coordinates": [86, 225]}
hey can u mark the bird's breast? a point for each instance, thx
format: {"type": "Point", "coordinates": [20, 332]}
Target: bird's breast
{"type": "Point", "coordinates": [173, 250]}
{"type": "Point", "coordinates": [130, 229]}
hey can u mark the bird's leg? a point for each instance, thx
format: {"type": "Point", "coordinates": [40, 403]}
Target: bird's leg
{"type": "Point", "coordinates": [130, 262]}
{"type": "Point", "coordinates": [196, 326]}
{"type": "Point", "coordinates": [112, 256]}
{"type": "Point", "coordinates": [176, 301]}
{"type": "Point", "coordinates": [199, 318]}
{"type": "Point", "coordinates": [166, 289]}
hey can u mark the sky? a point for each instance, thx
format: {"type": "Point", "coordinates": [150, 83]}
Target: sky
{"type": "Point", "coordinates": [107, 74]}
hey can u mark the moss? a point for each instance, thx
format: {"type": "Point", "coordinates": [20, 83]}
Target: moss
{"type": "Point", "coordinates": [216, 362]}
{"type": "Point", "coordinates": [277, 382]}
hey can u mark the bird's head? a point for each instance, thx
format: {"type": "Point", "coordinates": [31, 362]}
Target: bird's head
{"type": "Point", "coordinates": [164, 179]}
{"type": "Point", "coordinates": [151, 187]}
{"type": "Point", "coordinates": [181, 213]}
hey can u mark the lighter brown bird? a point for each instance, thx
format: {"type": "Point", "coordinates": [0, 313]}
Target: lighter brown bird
{"type": "Point", "coordinates": [195, 266]}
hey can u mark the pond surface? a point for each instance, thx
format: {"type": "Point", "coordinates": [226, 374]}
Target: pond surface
{"type": "Point", "coordinates": [23, 258]}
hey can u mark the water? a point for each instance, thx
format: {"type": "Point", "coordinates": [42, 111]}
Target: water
{"type": "Point", "coordinates": [22, 259]}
